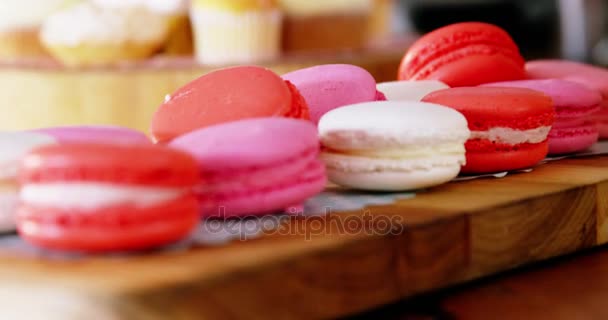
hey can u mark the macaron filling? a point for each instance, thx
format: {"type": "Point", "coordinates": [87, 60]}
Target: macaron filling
{"type": "Point", "coordinates": [363, 164]}
{"type": "Point", "coordinates": [86, 196]}
{"type": "Point", "coordinates": [513, 136]}
{"type": "Point", "coordinates": [405, 152]}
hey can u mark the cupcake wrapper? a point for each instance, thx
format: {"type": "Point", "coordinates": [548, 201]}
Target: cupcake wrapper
{"type": "Point", "coordinates": [224, 37]}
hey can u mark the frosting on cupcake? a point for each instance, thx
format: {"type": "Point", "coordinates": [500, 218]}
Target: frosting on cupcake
{"type": "Point", "coordinates": [169, 7]}
{"type": "Point", "coordinates": [308, 7]}
{"type": "Point", "coordinates": [24, 14]}
{"type": "Point", "coordinates": [87, 23]}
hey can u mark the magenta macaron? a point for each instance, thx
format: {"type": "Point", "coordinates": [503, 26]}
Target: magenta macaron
{"type": "Point", "coordinates": [95, 134]}
{"type": "Point", "coordinates": [586, 74]}
{"type": "Point", "coordinates": [331, 86]}
{"type": "Point", "coordinates": [255, 166]}
{"type": "Point", "coordinates": [574, 103]}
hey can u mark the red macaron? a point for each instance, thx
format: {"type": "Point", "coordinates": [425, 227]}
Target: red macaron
{"type": "Point", "coordinates": [509, 126]}
{"type": "Point", "coordinates": [464, 54]}
{"type": "Point", "coordinates": [227, 95]}
{"type": "Point", "coordinates": [98, 197]}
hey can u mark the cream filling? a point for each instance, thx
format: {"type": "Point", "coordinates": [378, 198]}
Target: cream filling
{"type": "Point", "coordinates": [348, 163]}
{"type": "Point", "coordinates": [401, 159]}
{"type": "Point", "coordinates": [513, 136]}
{"type": "Point", "coordinates": [91, 196]}
{"type": "Point", "coordinates": [406, 153]}
{"type": "Point", "coordinates": [86, 23]}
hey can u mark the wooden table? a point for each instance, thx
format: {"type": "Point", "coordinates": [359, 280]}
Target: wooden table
{"type": "Point", "coordinates": [448, 235]}
{"type": "Point", "coordinates": [572, 287]}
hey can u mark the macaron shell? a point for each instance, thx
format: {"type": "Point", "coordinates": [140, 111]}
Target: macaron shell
{"type": "Point", "coordinates": [589, 75]}
{"type": "Point", "coordinates": [574, 138]}
{"type": "Point", "coordinates": [264, 200]}
{"type": "Point", "coordinates": [108, 134]}
{"type": "Point", "coordinates": [391, 124]}
{"type": "Point", "coordinates": [250, 143]}
{"type": "Point", "coordinates": [327, 87]}
{"type": "Point", "coordinates": [394, 180]}
{"type": "Point", "coordinates": [299, 107]}
{"type": "Point", "coordinates": [487, 107]}
{"type": "Point", "coordinates": [108, 229]}
{"type": "Point", "coordinates": [567, 96]}
{"type": "Point", "coordinates": [494, 160]}
{"type": "Point", "coordinates": [223, 96]}
{"type": "Point", "coordinates": [473, 69]}
{"type": "Point", "coordinates": [125, 164]}
{"type": "Point", "coordinates": [464, 54]}
{"type": "Point", "coordinates": [255, 166]}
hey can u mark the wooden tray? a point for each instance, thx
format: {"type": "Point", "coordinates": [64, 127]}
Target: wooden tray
{"type": "Point", "coordinates": [47, 95]}
{"type": "Point", "coordinates": [450, 234]}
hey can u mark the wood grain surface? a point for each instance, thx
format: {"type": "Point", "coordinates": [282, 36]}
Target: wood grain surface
{"type": "Point", "coordinates": [561, 291]}
{"type": "Point", "coordinates": [444, 236]}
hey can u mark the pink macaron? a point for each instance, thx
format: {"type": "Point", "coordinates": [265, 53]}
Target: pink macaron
{"type": "Point", "coordinates": [255, 166]}
{"type": "Point", "coordinates": [95, 134]}
{"type": "Point", "coordinates": [331, 86]}
{"type": "Point", "coordinates": [574, 103]}
{"type": "Point", "coordinates": [589, 75]}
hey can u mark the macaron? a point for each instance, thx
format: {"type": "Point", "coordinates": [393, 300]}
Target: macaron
{"type": "Point", "coordinates": [409, 90]}
{"type": "Point", "coordinates": [255, 166]}
{"type": "Point", "coordinates": [327, 87]}
{"type": "Point", "coordinates": [464, 54]}
{"type": "Point", "coordinates": [393, 145]}
{"type": "Point", "coordinates": [574, 104]}
{"type": "Point", "coordinates": [101, 197]}
{"type": "Point", "coordinates": [589, 75]}
{"type": "Point", "coordinates": [227, 95]}
{"type": "Point", "coordinates": [83, 134]}
{"type": "Point", "coordinates": [509, 126]}
{"type": "Point", "coordinates": [13, 146]}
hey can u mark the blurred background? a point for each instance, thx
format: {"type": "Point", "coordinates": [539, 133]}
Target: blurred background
{"type": "Point", "coordinates": [181, 39]}
{"type": "Point", "coordinates": [572, 29]}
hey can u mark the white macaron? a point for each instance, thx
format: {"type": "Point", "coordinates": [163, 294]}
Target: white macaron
{"type": "Point", "coordinates": [410, 90]}
{"type": "Point", "coordinates": [393, 146]}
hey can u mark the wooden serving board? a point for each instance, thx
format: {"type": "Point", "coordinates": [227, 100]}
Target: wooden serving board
{"type": "Point", "coordinates": [447, 235]}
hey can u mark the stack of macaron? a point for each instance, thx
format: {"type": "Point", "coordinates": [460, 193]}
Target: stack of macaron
{"type": "Point", "coordinates": [245, 141]}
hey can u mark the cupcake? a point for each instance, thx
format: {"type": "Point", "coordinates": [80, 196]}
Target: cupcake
{"type": "Point", "coordinates": [236, 31]}
{"type": "Point", "coordinates": [325, 25]}
{"type": "Point", "coordinates": [19, 27]}
{"type": "Point", "coordinates": [179, 41]}
{"type": "Point", "coordinates": [90, 35]}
